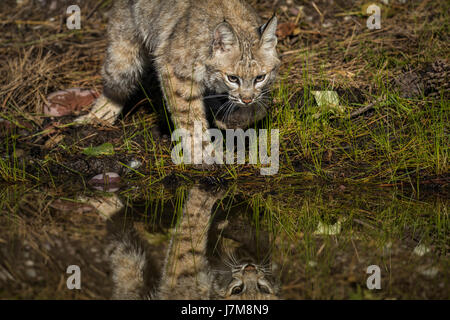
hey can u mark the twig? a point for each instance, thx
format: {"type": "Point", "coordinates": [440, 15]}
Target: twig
{"type": "Point", "coordinates": [95, 9]}
{"type": "Point", "coordinates": [364, 109]}
{"type": "Point", "coordinates": [363, 223]}
{"type": "Point", "coordinates": [29, 22]}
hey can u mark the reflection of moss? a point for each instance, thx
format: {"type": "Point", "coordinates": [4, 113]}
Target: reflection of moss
{"type": "Point", "coordinates": [106, 149]}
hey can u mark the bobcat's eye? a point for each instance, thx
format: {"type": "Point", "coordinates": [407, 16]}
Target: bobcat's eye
{"type": "Point", "coordinates": [237, 290]}
{"type": "Point", "coordinates": [233, 79]}
{"type": "Point", "coordinates": [260, 78]}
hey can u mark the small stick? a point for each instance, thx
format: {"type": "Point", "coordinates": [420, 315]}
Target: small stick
{"type": "Point", "coordinates": [364, 109]}
{"type": "Point", "coordinates": [95, 9]}
{"type": "Point", "coordinates": [29, 22]}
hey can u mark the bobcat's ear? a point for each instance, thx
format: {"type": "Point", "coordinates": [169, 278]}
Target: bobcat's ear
{"type": "Point", "coordinates": [268, 33]}
{"type": "Point", "coordinates": [224, 37]}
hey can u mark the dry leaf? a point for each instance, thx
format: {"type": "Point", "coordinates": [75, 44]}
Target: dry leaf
{"type": "Point", "coordinates": [286, 29]}
{"type": "Point", "coordinates": [70, 101]}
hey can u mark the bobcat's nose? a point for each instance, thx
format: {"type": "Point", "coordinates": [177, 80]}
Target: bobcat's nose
{"type": "Point", "coordinates": [247, 100]}
{"type": "Point", "coordinates": [249, 268]}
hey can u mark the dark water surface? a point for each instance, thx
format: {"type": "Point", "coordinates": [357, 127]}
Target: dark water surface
{"type": "Point", "coordinates": [297, 239]}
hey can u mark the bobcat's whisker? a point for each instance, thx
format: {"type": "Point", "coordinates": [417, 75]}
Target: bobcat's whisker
{"type": "Point", "coordinates": [228, 112]}
{"type": "Point", "coordinates": [216, 96]}
{"type": "Point", "coordinates": [261, 105]}
{"type": "Point", "coordinates": [233, 257]}
{"type": "Point", "coordinates": [220, 271]}
{"type": "Point", "coordinates": [224, 105]}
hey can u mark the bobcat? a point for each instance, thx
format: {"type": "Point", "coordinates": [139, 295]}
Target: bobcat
{"type": "Point", "coordinates": [201, 49]}
{"type": "Point", "coordinates": [186, 272]}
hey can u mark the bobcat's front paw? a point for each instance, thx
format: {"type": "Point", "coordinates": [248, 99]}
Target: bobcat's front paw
{"type": "Point", "coordinates": [104, 110]}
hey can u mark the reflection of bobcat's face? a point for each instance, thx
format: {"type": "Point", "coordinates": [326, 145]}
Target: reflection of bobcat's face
{"type": "Point", "coordinates": [246, 282]}
{"type": "Point", "coordinates": [244, 279]}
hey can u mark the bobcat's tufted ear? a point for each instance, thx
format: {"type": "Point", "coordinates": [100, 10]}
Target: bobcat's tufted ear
{"type": "Point", "coordinates": [224, 37]}
{"type": "Point", "coordinates": [268, 34]}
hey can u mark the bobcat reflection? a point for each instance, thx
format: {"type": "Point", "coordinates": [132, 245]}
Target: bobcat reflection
{"type": "Point", "coordinates": [213, 254]}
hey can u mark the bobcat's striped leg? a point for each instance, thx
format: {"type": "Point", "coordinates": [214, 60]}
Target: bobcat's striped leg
{"type": "Point", "coordinates": [185, 102]}
{"type": "Point", "coordinates": [186, 263]}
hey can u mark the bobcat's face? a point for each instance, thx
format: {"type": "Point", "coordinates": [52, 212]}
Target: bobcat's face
{"type": "Point", "coordinates": [246, 281]}
{"type": "Point", "coordinates": [243, 66]}
{"type": "Point", "coordinates": [247, 82]}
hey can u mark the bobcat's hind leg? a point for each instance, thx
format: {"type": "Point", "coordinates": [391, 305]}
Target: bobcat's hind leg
{"type": "Point", "coordinates": [121, 72]}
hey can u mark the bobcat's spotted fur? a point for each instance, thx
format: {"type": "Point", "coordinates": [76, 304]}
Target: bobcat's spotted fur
{"type": "Point", "coordinates": [201, 49]}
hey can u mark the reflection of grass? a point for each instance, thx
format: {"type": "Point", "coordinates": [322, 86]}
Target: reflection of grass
{"type": "Point", "coordinates": [377, 228]}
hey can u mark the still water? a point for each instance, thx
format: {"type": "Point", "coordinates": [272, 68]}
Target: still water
{"type": "Point", "coordinates": [201, 240]}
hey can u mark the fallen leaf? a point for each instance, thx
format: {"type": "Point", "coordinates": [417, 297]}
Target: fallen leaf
{"type": "Point", "coordinates": [70, 101]}
{"type": "Point", "coordinates": [328, 101]}
{"type": "Point", "coordinates": [286, 29]}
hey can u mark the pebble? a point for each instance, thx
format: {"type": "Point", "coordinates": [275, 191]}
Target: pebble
{"type": "Point", "coordinates": [133, 164]}
{"type": "Point", "coordinates": [29, 263]}
{"type": "Point", "coordinates": [31, 273]}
